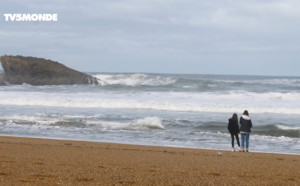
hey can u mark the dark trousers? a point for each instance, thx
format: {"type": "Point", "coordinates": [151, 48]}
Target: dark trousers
{"type": "Point", "coordinates": [237, 139]}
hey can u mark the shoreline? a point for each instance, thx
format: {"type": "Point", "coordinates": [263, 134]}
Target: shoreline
{"type": "Point", "coordinates": [55, 162]}
{"type": "Point", "coordinates": [180, 147]}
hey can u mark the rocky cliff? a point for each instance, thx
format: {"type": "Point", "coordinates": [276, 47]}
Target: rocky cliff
{"type": "Point", "coordinates": [39, 71]}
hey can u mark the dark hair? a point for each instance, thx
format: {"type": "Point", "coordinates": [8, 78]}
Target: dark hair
{"type": "Point", "coordinates": [235, 117]}
{"type": "Point", "coordinates": [246, 113]}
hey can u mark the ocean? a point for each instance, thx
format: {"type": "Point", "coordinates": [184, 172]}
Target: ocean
{"type": "Point", "coordinates": [176, 110]}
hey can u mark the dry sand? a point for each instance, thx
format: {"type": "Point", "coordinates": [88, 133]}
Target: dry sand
{"type": "Point", "coordinates": [27, 161]}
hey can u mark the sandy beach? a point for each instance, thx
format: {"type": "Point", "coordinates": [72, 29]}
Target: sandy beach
{"type": "Point", "coordinates": [32, 161]}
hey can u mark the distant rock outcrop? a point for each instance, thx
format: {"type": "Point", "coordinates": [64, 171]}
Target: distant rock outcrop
{"type": "Point", "coordinates": [2, 79]}
{"type": "Point", "coordinates": [39, 71]}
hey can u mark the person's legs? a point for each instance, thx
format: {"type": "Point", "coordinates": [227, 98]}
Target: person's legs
{"type": "Point", "coordinates": [243, 140]}
{"type": "Point", "coordinates": [232, 141]}
{"type": "Point", "coordinates": [247, 141]}
{"type": "Point", "coordinates": [237, 140]}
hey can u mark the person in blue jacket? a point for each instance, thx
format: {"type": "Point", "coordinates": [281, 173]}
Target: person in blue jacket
{"type": "Point", "coordinates": [245, 129]}
{"type": "Point", "coordinates": [233, 128]}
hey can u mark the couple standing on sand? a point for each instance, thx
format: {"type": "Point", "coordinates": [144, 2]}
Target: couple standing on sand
{"type": "Point", "coordinates": [245, 129]}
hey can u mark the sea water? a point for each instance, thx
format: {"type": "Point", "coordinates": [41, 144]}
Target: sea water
{"type": "Point", "coordinates": [175, 110]}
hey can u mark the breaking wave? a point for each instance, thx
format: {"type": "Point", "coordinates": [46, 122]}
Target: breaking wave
{"type": "Point", "coordinates": [284, 103]}
{"type": "Point", "coordinates": [201, 82]}
{"type": "Point", "coordinates": [151, 122]}
{"type": "Point", "coordinates": [282, 127]}
{"type": "Point", "coordinates": [136, 79]}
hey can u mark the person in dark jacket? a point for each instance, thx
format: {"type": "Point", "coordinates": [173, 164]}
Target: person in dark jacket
{"type": "Point", "coordinates": [246, 125]}
{"type": "Point", "coordinates": [233, 128]}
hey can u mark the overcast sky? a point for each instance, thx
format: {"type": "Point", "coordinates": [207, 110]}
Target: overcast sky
{"type": "Point", "coordinates": [251, 37]}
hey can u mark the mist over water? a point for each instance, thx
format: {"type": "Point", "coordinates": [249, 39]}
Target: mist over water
{"type": "Point", "coordinates": [158, 109]}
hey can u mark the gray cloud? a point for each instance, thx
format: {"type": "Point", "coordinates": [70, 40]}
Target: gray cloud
{"type": "Point", "coordinates": [173, 36]}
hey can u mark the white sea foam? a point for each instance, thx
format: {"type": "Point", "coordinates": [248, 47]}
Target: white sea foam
{"type": "Point", "coordinates": [135, 79]}
{"type": "Point", "coordinates": [293, 82]}
{"type": "Point", "coordinates": [33, 119]}
{"type": "Point", "coordinates": [197, 102]}
{"type": "Point", "coordinates": [276, 81]}
{"type": "Point", "coordinates": [252, 136]}
{"type": "Point", "coordinates": [282, 127]}
{"type": "Point", "coordinates": [274, 138]}
{"type": "Point", "coordinates": [151, 122]}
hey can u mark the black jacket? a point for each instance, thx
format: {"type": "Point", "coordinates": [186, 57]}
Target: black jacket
{"type": "Point", "coordinates": [233, 127]}
{"type": "Point", "coordinates": [246, 124]}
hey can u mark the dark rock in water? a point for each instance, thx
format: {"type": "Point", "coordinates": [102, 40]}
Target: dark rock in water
{"type": "Point", "coordinates": [2, 79]}
{"type": "Point", "coordinates": [39, 71]}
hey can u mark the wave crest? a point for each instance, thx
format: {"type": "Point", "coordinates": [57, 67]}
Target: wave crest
{"type": "Point", "coordinates": [151, 122]}
{"type": "Point", "coordinates": [282, 127]}
{"type": "Point", "coordinates": [135, 79]}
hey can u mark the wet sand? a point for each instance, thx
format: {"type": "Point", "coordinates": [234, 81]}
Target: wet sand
{"type": "Point", "coordinates": [32, 161]}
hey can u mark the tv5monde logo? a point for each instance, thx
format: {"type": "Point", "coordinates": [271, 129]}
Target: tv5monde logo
{"type": "Point", "coordinates": [31, 17]}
